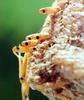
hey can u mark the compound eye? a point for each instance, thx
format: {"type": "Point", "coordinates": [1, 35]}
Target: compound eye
{"type": "Point", "coordinates": [37, 37]}
{"type": "Point", "coordinates": [29, 38]}
{"type": "Point", "coordinates": [34, 49]}
{"type": "Point", "coordinates": [21, 78]}
{"type": "Point", "coordinates": [44, 11]}
{"type": "Point", "coordinates": [17, 48]}
{"type": "Point", "coordinates": [26, 43]}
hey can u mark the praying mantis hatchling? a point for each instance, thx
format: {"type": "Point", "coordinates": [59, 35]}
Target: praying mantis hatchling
{"type": "Point", "coordinates": [27, 46]}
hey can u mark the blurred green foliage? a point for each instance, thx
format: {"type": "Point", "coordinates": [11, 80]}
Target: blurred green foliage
{"type": "Point", "coordinates": [18, 18]}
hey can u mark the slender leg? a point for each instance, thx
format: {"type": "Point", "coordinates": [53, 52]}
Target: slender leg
{"type": "Point", "coordinates": [22, 66]}
{"type": "Point", "coordinates": [22, 76]}
{"type": "Point", "coordinates": [25, 91]}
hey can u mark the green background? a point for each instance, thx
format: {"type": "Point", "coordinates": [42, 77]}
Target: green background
{"type": "Point", "coordinates": [18, 18]}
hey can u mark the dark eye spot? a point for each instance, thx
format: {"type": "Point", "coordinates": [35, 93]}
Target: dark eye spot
{"type": "Point", "coordinates": [29, 38]}
{"type": "Point", "coordinates": [26, 43]}
{"type": "Point", "coordinates": [37, 37]}
{"type": "Point", "coordinates": [17, 48]}
{"type": "Point", "coordinates": [34, 48]}
{"type": "Point", "coordinates": [21, 78]}
{"type": "Point", "coordinates": [43, 11]}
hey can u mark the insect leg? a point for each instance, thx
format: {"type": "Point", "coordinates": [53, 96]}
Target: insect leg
{"type": "Point", "coordinates": [23, 80]}
{"type": "Point", "coordinates": [25, 91]}
{"type": "Point", "coordinates": [22, 73]}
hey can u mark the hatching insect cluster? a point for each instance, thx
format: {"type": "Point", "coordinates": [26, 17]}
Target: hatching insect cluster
{"type": "Point", "coordinates": [52, 61]}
